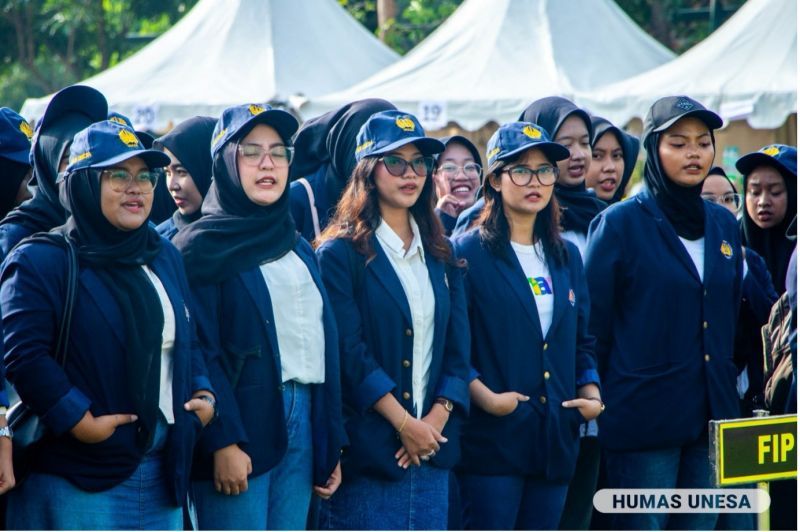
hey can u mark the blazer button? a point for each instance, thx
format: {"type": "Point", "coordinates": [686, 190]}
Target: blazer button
{"type": "Point", "coordinates": [281, 388]}
{"type": "Point", "coordinates": [406, 363]}
{"type": "Point", "coordinates": [707, 357]}
{"type": "Point", "coordinates": [546, 375]}
{"type": "Point", "coordinates": [544, 347]}
{"type": "Point", "coordinates": [705, 325]}
{"type": "Point", "coordinates": [409, 332]}
{"type": "Point", "coordinates": [705, 292]}
{"type": "Point", "coordinates": [406, 396]}
{"type": "Point", "coordinates": [542, 399]}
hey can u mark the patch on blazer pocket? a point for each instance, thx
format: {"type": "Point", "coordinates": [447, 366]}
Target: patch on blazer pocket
{"type": "Point", "coordinates": [233, 360]}
{"type": "Point", "coordinates": [571, 297]}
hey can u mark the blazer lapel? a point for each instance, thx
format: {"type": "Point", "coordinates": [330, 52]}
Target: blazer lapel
{"type": "Point", "coordinates": [563, 293]}
{"type": "Point", "coordinates": [383, 270]}
{"type": "Point", "coordinates": [512, 272]}
{"type": "Point", "coordinates": [256, 288]}
{"type": "Point", "coordinates": [109, 309]}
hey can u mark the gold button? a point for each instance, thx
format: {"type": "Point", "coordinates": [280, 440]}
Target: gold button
{"type": "Point", "coordinates": [707, 357]}
{"type": "Point", "coordinates": [544, 347]}
{"type": "Point", "coordinates": [543, 399]}
{"type": "Point", "coordinates": [546, 375]}
{"type": "Point", "coordinates": [406, 363]}
{"type": "Point", "coordinates": [705, 325]}
{"type": "Point", "coordinates": [705, 292]}
{"type": "Point", "coordinates": [406, 396]}
{"type": "Point", "coordinates": [409, 332]}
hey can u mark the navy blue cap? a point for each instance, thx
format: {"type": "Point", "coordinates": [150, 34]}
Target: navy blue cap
{"type": "Point", "coordinates": [15, 136]}
{"type": "Point", "coordinates": [515, 137]}
{"type": "Point", "coordinates": [464, 141]}
{"type": "Point", "coordinates": [779, 156]}
{"type": "Point", "coordinates": [105, 143]}
{"type": "Point", "coordinates": [238, 120]}
{"type": "Point", "coordinates": [666, 111]}
{"type": "Point", "coordinates": [120, 119]}
{"type": "Point", "coordinates": [389, 130]}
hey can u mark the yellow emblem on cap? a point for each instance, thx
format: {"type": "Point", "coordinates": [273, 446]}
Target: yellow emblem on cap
{"type": "Point", "coordinates": [118, 120]}
{"type": "Point", "coordinates": [128, 138]}
{"type": "Point", "coordinates": [726, 249]}
{"type": "Point", "coordinates": [82, 156]}
{"type": "Point", "coordinates": [492, 153]}
{"type": "Point", "coordinates": [404, 123]}
{"type": "Point", "coordinates": [26, 129]}
{"type": "Point", "coordinates": [256, 109]}
{"type": "Point", "coordinates": [532, 132]}
{"type": "Point", "coordinates": [364, 145]}
{"type": "Point", "coordinates": [772, 151]}
{"type": "Point", "coordinates": [219, 137]}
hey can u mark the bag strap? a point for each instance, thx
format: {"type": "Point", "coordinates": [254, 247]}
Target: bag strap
{"type": "Point", "coordinates": [314, 216]}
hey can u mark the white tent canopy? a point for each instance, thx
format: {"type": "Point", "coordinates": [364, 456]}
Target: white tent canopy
{"type": "Point", "coordinates": [226, 52]}
{"type": "Point", "coordinates": [493, 57]}
{"type": "Point", "coordinates": [747, 69]}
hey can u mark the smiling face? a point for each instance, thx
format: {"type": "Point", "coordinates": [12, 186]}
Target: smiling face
{"type": "Point", "coordinates": [608, 164]}
{"type": "Point", "coordinates": [526, 200]}
{"type": "Point", "coordinates": [766, 197]}
{"type": "Point", "coordinates": [574, 135]}
{"type": "Point", "coordinates": [181, 186]}
{"type": "Point", "coordinates": [686, 151]}
{"type": "Point", "coordinates": [129, 209]}
{"type": "Point", "coordinates": [265, 181]}
{"type": "Point", "coordinates": [399, 192]}
{"type": "Point", "coordinates": [450, 173]}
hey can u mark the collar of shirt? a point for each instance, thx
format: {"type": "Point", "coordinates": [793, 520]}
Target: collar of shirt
{"type": "Point", "coordinates": [394, 243]}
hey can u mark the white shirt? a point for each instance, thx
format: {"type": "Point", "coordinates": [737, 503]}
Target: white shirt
{"type": "Point", "coordinates": [531, 258]}
{"type": "Point", "coordinates": [167, 344]}
{"type": "Point", "coordinates": [297, 310]}
{"type": "Point", "coordinates": [579, 239]}
{"type": "Point", "coordinates": [696, 249]}
{"type": "Point", "coordinates": [410, 268]}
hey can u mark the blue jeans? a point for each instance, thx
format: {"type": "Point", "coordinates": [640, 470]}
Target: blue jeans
{"type": "Point", "coordinates": [686, 467]}
{"type": "Point", "coordinates": [142, 502]}
{"type": "Point", "coordinates": [510, 502]}
{"type": "Point", "coordinates": [417, 502]}
{"type": "Point", "coordinates": [278, 499]}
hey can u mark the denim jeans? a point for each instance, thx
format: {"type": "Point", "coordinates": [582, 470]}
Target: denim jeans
{"type": "Point", "coordinates": [278, 499]}
{"type": "Point", "coordinates": [510, 502]}
{"type": "Point", "coordinates": [142, 502]}
{"type": "Point", "coordinates": [686, 467]}
{"type": "Point", "coordinates": [417, 502]}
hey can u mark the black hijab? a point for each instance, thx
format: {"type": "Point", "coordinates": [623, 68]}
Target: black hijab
{"type": "Point", "coordinates": [190, 141]}
{"type": "Point", "coordinates": [773, 244]}
{"type": "Point", "coordinates": [234, 234]}
{"type": "Point", "coordinates": [11, 175]}
{"type": "Point", "coordinates": [116, 257]}
{"type": "Point", "coordinates": [579, 205]}
{"type": "Point", "coordinates": [328, 143]}
{"type": "Point", "coordinates": [44, 211]}
{"type": "Point", "coordinates": [630, 152]}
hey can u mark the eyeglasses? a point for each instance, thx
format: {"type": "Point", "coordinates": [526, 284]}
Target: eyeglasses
{"type": "Point", "coordinates": [397, 165]}
{"type": "Point", "coordinates": [120, 180]}
{"type": "Point", "coordinates": [471, 170]}
{"type": "Point", "coordinates": [731, 199]}
{"type": "Point", "coordinates": [522, 175]}
{"type": "Point", "coordinates": [253, 155]}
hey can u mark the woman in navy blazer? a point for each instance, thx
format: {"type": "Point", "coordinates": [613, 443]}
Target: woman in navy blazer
{"type": "Point", "coordinates": [535, 378]}
{"type": "Point", "coordinates": [124, 413]}
{"type": "Point", "coordinates": [665, 275]}
{"type": "Point", "coordinates": [403, 334]}
{"type": "Point", "coordinates": [269, 334]}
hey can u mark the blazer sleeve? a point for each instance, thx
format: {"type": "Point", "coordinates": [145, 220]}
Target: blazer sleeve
{"type": "Point", "coordinates": [456, 371]}
{"type": "Point", "coordinates": [364, 381]}
{"type": "Point", "coordinates": [228, 428]}
{"type": "Point", "coordinates": [32, 298]}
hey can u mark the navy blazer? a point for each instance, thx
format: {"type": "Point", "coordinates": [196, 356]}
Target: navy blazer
{"type": "Point", "coordinates": [167, 228]}
{"type": "Point", "coordinates": [376, 346]}
{"type": "Point", "coordinates": [237, 330]}
{"type": "Point", "coordinates": [10, 235]}
{"type": "Point", "coordinates": [509, 353]}
{"type": "Point", "coordinates": [664, 338]}
{"type": "Point", "coordinates": [33, 290]}
{"type": "Point", "coordinates": [301, 208]}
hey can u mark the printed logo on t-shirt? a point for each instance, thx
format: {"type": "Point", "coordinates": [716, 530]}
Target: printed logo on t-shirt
{"type": "Point", "coordinates": [540, 285]}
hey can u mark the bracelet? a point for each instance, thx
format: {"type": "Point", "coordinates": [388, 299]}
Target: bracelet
{"type": "Point", "coordinates": [210, 400]}
{"type": "Point", "coordinates": [602, 404]}
{"type": "Point", "coordinates": [403, 424]}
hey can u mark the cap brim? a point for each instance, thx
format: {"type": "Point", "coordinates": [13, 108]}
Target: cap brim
{"type": "Point", "coordinates": [76, 99]}
{"type": "Point", "coordinates": [552, 150]}
{"type": "Point", "coordinates": [152, 158]}
{"type": "Point", "coordinates": [709, 118]}
{"type": "Point", "coordinates": [427, 145]}
{"type": "Point", "coordinates": [283, 122]}
{"type": "Point", "coordinates": [751, 161]}
{"type": "Point", "coordinates": [20, 156]}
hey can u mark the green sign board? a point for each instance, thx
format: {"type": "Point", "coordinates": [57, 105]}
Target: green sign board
{"type": "Point", "coordinates": [757, 449]}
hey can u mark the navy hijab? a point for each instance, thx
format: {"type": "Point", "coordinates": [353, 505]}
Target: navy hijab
{"type": "Point", "coordinates": [630, 152]}
{"type": "Point", "coordinates": [190, 141]}
{"type": "Point", "coordinates": [579, 205]}
{"type": "Point", "coordinates": [234, 234]}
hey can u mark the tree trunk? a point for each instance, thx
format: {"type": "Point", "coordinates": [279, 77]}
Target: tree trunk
{"type": "Point", "coordinates": [659, 22]}
{"type": "Point", "coordinates": [387, 10]}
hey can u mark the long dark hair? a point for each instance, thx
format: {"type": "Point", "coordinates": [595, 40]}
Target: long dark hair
{"type": "Point", "coordinates": [493, 224]}
{"type": "Point", "coordinates": [358, 215]}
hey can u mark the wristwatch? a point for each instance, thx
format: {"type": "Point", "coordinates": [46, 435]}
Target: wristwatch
{"type": "Point", "coordinates": [210, 400]}
{"type": "Point", "coordinates": [6, 432]}
{"type": "Point", "coordinates": [446, 403]}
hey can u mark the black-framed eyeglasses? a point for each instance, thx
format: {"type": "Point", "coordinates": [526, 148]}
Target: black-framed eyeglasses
{"type": "Point", "coordinates": [471, 170]}
{"type": "Point", "coordinates": [730, 199]}
{"type": "Point", "coordinates": [253, 155]}
{"type": "Point", "coordinates": [522, 175]}
{"type": "Point", "coordinates": [120, 180]}
{"type": "Point", "coordinates": [396, 166]}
